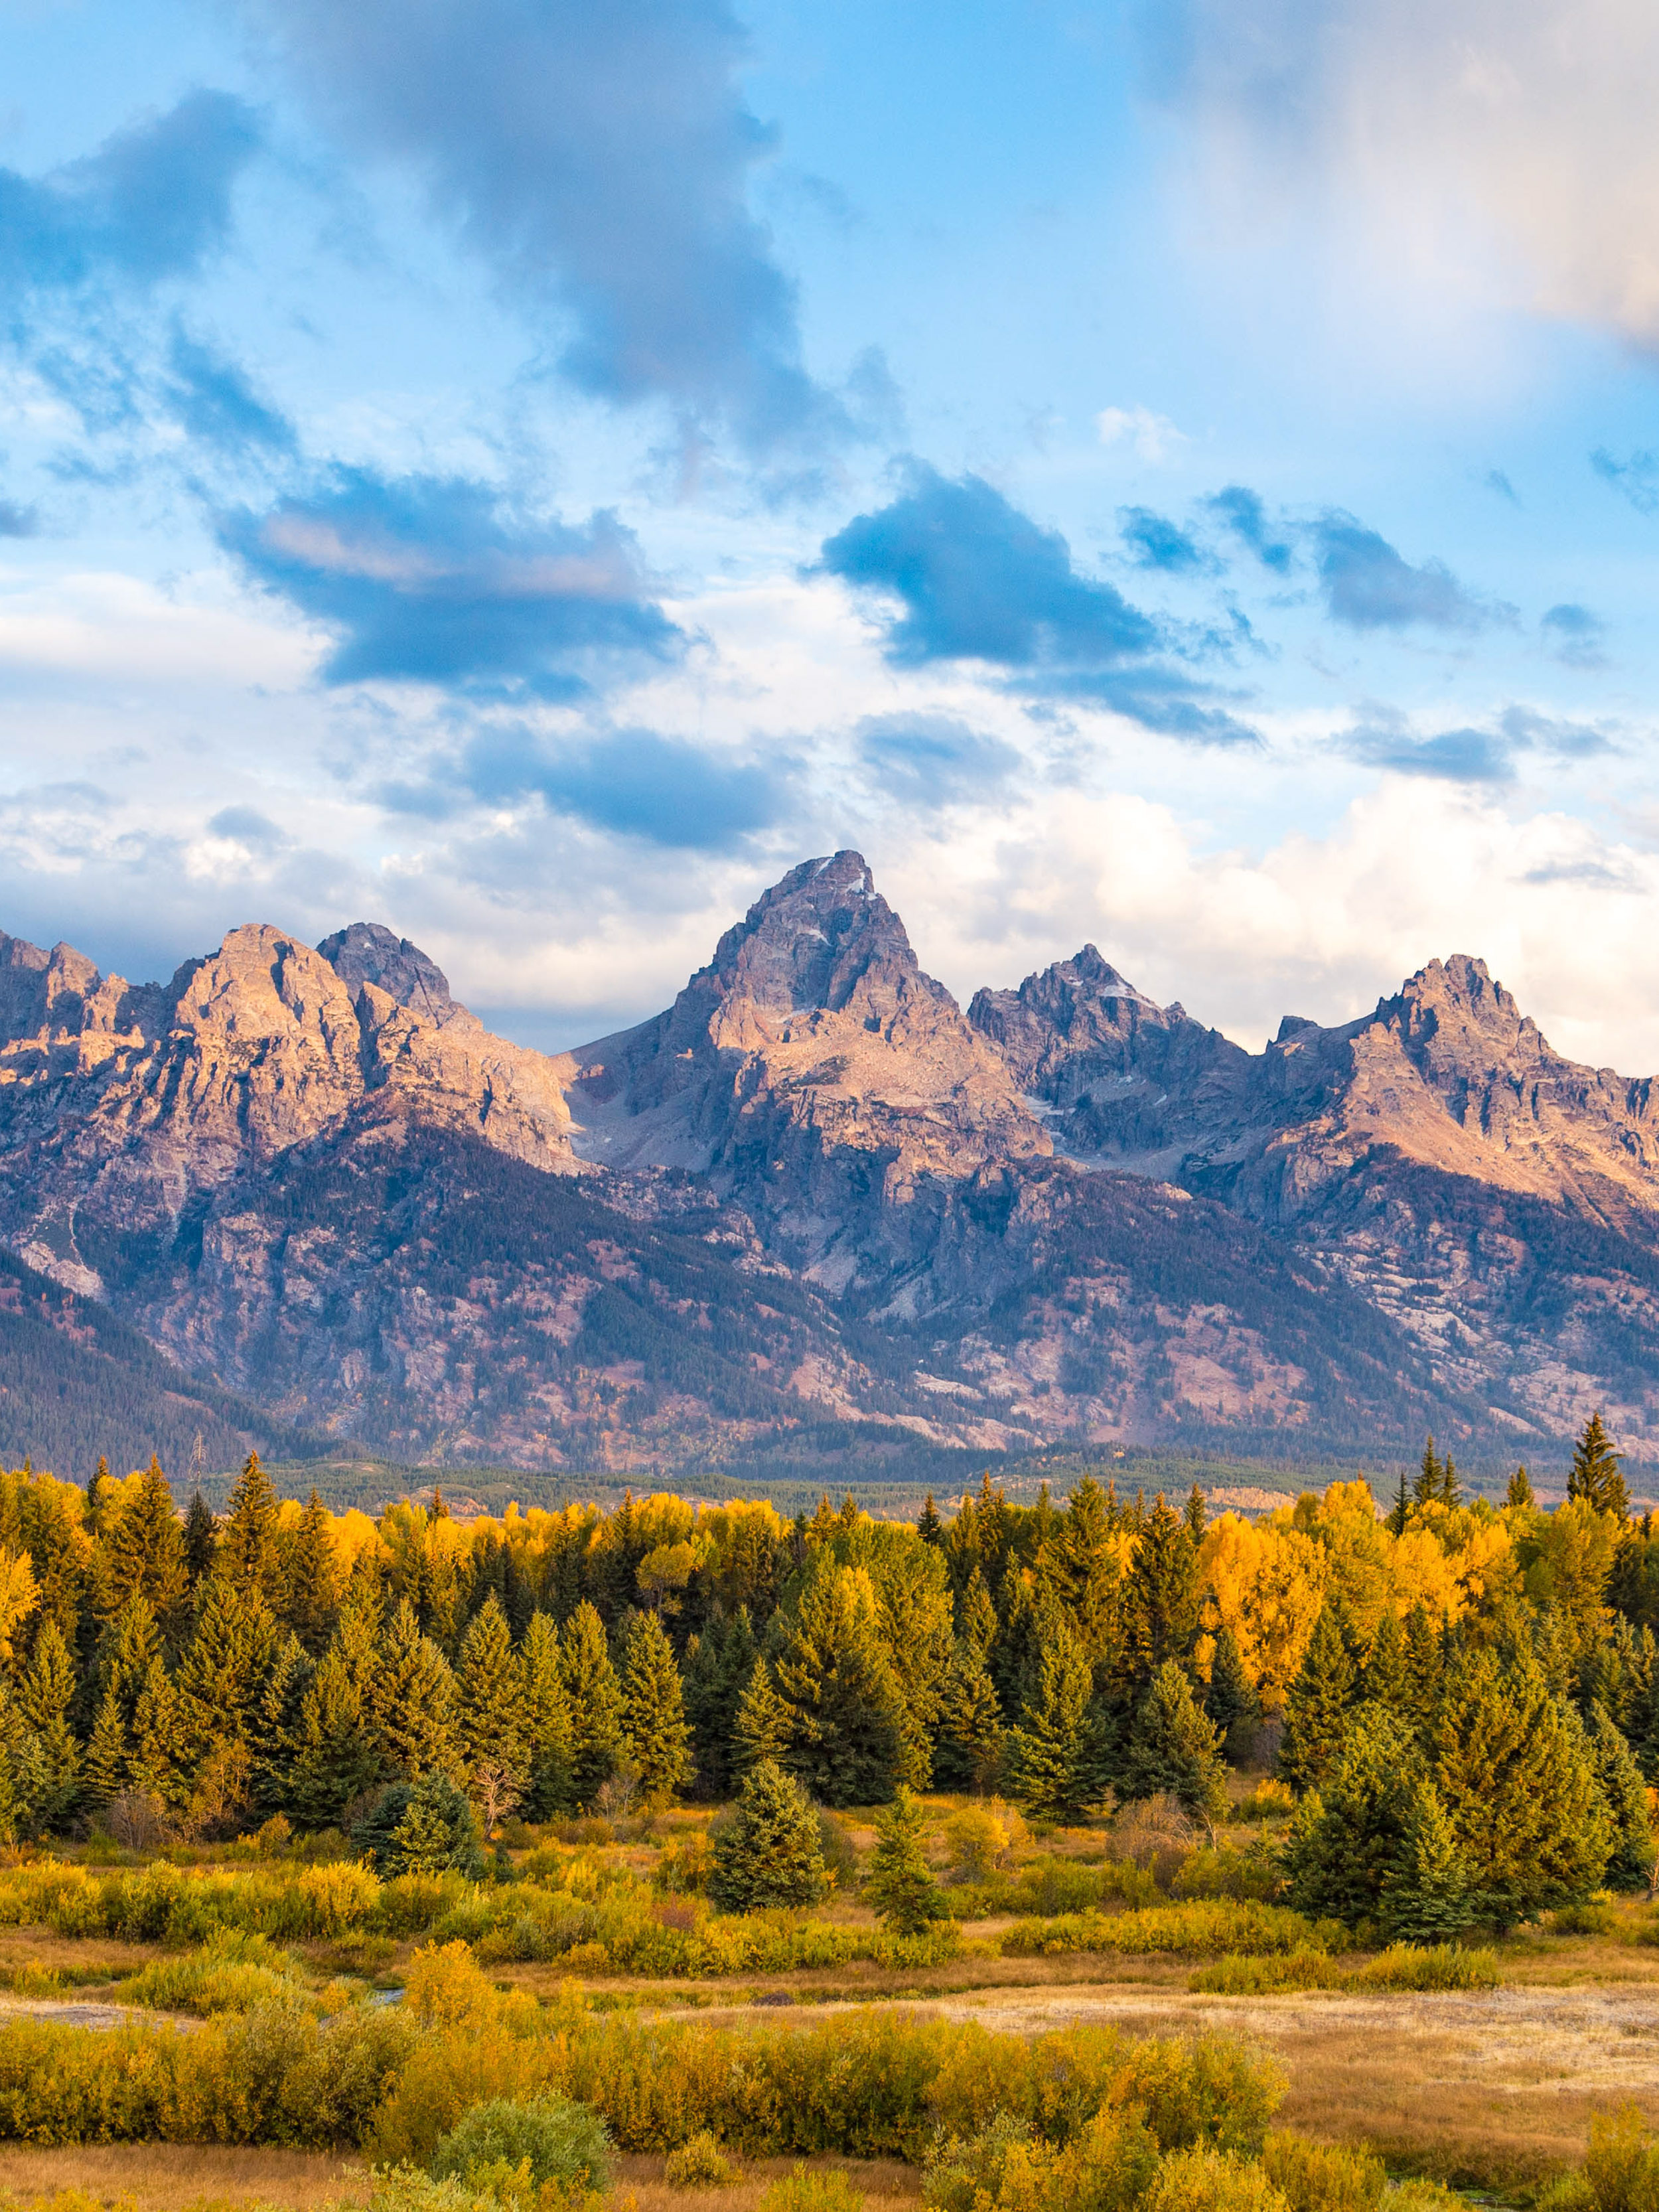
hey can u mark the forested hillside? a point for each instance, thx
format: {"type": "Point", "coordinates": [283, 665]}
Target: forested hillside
{"type": "Point", "coordinates": [1471, 1690]}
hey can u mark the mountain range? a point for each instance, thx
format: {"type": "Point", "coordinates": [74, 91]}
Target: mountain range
{"type": "Point", "coordinates": [812, 1206]}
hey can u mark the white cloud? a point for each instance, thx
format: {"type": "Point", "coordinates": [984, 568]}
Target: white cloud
{"type": "Point", "coordinates": [1151, 437]}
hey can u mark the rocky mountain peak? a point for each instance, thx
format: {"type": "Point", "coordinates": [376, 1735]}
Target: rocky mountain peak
{"type": "Point", "coordinates": [368, 952]}
{"type": "Point", "coordinates": [820, 938]}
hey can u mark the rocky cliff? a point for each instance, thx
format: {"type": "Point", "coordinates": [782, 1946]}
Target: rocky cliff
{"type": "Point", "coordinates": [813, 1200]}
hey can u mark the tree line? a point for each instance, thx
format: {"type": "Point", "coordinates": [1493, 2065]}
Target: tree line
{"type": "Point", "coordinates": [1463, 1695]}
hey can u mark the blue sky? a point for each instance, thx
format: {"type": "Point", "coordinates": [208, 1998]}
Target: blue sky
{"type": "Point", "coordinates": [1183, 477]}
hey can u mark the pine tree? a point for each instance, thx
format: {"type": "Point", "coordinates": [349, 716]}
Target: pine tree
{"type": "Point", "coordinates": [408, 1690]}
{"type": "Point", "coordinates": [1428, 1488]}
{"type": "Point", "coordinates": [1078, 1565]}
{"type": "Point", "coordinates": [1399, 1512]}
{"type": "Point", "coordinates": [490, 1683]}
{"type": "Point", "coordinates": [547, 1720]}
{"type": "Point", "coordinates": [766, 1847]}
{"type": "Point", "coordinates": [1427, 1899]}
{"type": "Point", "coordinates": [108, 1754]}
{"type": "Point", "coordinates": [45, 1757]}
{"type": "Point", "coordinates": [968, 1752]}
{"type": "Point", "coordinates": [421, 1827]}
{"type": "Point", "coordinates": [594, 1696]}
{"type": "Point", "coordinates": [976, 1617]}
{"type": "Point", "coordinates": [201, 1540]}
{"type": "Point", "coordinates": [900, 1885]}
{"type": "Point", "coordinates": [1174, 1748]}
{"type": "Point", "coordinates": [654, 1729]}
{"type": "Point", "coordinates": [277, 1725]}
{"type": "Point", "coordinates": [929, 1527]}
{"type": "Point", "coordinates": [334, 1756]}
{"type": "Point", "coordinates": [1197, 1514]}
{"type": "Point", "coordinates": [1161, 1598]}
{"type": "Point", "coordinates": [1385, 1678]}
{"type": "Point", "coordinates": [1424, 1664]}
{"type": "Point", "coordinates": [1520, 1490]}
{"type": "Point", "coordinates": [247, 1556]}
{"type": "Point", "coordinates": [223, 1669]}
{"type": "Point", "coordinates": [141, 1550]}
{"type": "Point", "coordinates": [718, 1663]}
{"type": "Point", "coordinates": [1055, 1756]}
{"type": "Point", "coordinates": [158, 1766]}
{"type": "Point", "coordinates": [310, 1579]}
{"type": "Point", "coordinates": [1316, 1708]}
{"type": "Point", "coordinates": [764, 1724]}
{"type": "Point", "coordinates": [1230, 1699]}
{"type": "Point", "coordinates": [1519, 1789]}
{"type": "Point", "coordinates": [844, 1716]}
{"type": "Point", "coordinates": [1595, 1475]}
{"type": "Point", "coordinates": [1348, 1839]}
{"type": "Point", "coordinates": [1451, 1491]}
{"type": "Point", "coordinates": [1625, 1802]}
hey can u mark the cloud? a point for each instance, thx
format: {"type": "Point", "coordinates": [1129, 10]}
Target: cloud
{"type": "Point", "coordinates": [1637, 477]}
{"type": "Point", "coordinates": [631, 782]}
{"type": "Point", "coordinates": [1471, 755]}
{"type": "Point", "coordinates": [597, 158]}
{"type": "Point", "coordinates": [1495, 480]}
{"type": "Point", "coordinates": [1152, 437]}
{"type": "Point", "coordinates": [932, 760]}
{"type": "Point", "coordinates": [426, 579]}
{"type": "Point", "coordinates": [1436, 130]}
{"type": "Point", "coordinates": [1367, 585]}
{"type": "Point", "coordinates": [1574, 635]}
{"type": "Point", "coordinates": [245, 825]}
{"type": "Point", "coordinates": [1158, 543]}
{"type": "Point", "coordinates": [217, 404]}
{"type": "Point", "coordinates": [979, 581]}
{"type": "Point", "coordinates": [152, 204]}
{"type": "Point", "coordinates": [17, 521]}
{"type": "Point", "coordinates": [1242, 512]}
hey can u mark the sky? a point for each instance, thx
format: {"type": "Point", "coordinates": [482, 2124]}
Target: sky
{"type": "Point", "coordinates": [1183, 476]}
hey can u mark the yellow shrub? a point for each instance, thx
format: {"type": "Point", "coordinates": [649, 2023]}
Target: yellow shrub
{"type": "Point", "coordinates": [337, 1898]}
{"type": "Point", "coordinates": [1320, 2178]}
{"type": "Point", "coordinates": [1204, 2180]}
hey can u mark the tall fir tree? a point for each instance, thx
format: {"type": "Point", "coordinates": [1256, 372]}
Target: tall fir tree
{"type": "Point", "coordinates": [1384, 1678]}
{"type": "Point", "coordinates": [1427, 1490]}
{"type": "Point", "coordinates": [1624, 1801]}
{"type": "Point", "coordinates": [44, 1754]}
{"type": "Point", "coordinates": [141, 1550]}
{"type": "Point", "coordinates": [968, 1752]}
{"type": "Point", "coordinates": [654, 1729]}
{"type": "Point", "coordinates": [247, 1557]}
{"type": "Point", "coordinates": [1427, 1899]}
{"type": "Point", "coordinates": [1056, 1756]}
{"type": "Point", "coordinates": [843, 1716]}
{"type": "Point", "coordinates": [334, 1761]}
{"type": "Point", "coordinates": [1161, 1598]}
{"type": "Point", "coordinates": [310, 1579]}
{"type": "Point", "coordinates": [1317, 1705]}
{"type": "Point", "coordinates": [594, 1696]}
{"type": "Point", "coordinates": [1594, 1476]}
{"type": "Point", "coordinates": [1348, 1840]}
{"type": "Point", "coordinates": [547, 1720]}
{"type": "Point", "coordinates": [976, 1617]}
{"type": "Point", "coordinates": [1424, 1664]}
{"type": "Point", "coordinates": [765, 1848]}
{"type": "Point", "coordinates": [900, 1885]}
{"type": "Point", "coordinates": [1399, 1511]}
{"type": "Point", "coordinates": [491, 1704]}
{"type": "Point", "coordinates": [1173, 1748]}
{"type": "Point", "coordinates": [929, 1527]}
{"type": "Point", "coordinates": [408, 1689]}
{"type": "Point", "coordinates": [201, 1540]}
{"type": "Point", "coordinates": [1520, 1490]}
{"type": "Point", "coordinates": [720, 1662]}
{"type": "Point", "coordinates": [1230, 1698]}
{"type": "Point", "coordinates": [1197, 1514]}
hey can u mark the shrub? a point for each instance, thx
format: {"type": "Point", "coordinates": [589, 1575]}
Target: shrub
{"type": "Point", "coordinates": [699, 2163]}
{"type": "Point", "coordinates": [1320, 2178]}
{"type": "Point", "coordinates": [766, 1847]}
{"type": "Point", "coordinates": [233, 1972]}
{"type": "Point", "coordinates": [564, 2142]}
{"type": "Point", "coordinates": [958, 2173]}
{"type": "Point", "coordinates": [1434, 1967]}
{"type": "Point", "coordinates": [682, 1864]}
{"type": "Point", "coordinates": [1588, 1919]}
{"type": "Point", "coordinates": [1262, 1976]}
{"type": "Point", "coordinates": [1622, 2164]}
{"type": "Point", "coordinates": [805, 2189]}
{"type": "Point", "coordinates": [1216, 1925]}
{"type": "Point", "coordinates": [1204, 2180]}
{"type": "Point", "coordinates": [1270, 1800]}
{"type": "Point", "coordinates": [404, 2188]}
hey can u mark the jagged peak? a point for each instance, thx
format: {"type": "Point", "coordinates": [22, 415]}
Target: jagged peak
{"type": "Point", "coordinates": [369, 952]}
{"type": "Point", "coordinates": [811, 938]}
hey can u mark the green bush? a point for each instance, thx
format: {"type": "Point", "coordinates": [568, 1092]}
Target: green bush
{"type": "Point", "coordinates": [1220, 1924]}
{"type": "Point", "coordinates": [699, 2163]}
{"type": "Point", "coordinates": [1261, 1976]}
{"type": "Point", "coordinates": [231, 1973]}
{"type": "Point", "coordinates": [564, 2142]}
{"type": "Point", "coordinates": [1433, 1966]}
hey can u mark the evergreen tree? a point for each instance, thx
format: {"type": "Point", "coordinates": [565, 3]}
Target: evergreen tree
{"type": "Point", "coordinates": [1427, 1899]}
{"type": "Point", "coordinates": [108, 1757]}
{"type": "Point", "coordinates": [1348, 1843]}
{"type": "Point", "coordinates": [595, 1698]}
{"type": "Point", "coordinates": [654, 1727]}
{"type": "Point", "coordinates": [1197, 1514]}
{"type": "Point", "coordinates": [201, 1540]}
{"type": "Point", "coordinates": [976, 1617]}
{"type": "Point", "coordinates": [276, 1726]}
{"type": "Point", "coordinates": [1451, 1491]}
{"type": "Point", "coordinates": [968, 1752]}
{"type": "Point", "coordinates": [1078, 1566]}
{"type": "Point", "coordinates": [1595, 1477]}
{"type": "Point", "coordinates": [490, 1706]}
{"type": "Point", "coordinates": [719, 1664]}
{"type": "Point", "coordinates": [1056, 1756]}
{"type": "Point", "coordinates": [407, 1690]}
{"type": "Point", "coordinates": [334, 1758]}
{"type": "Point", "coordinates": [1230, 1699]}
{"type": "Point", "coordinates": [1429, 1487]}
{"type": "Point", "coordinates": [158, 1767]}
{"type": "Point", "coordinates": [141, 1550]}
{"type": "Point", "coordinates": [1624, 1802]}
{"type": "Point", "coordinates": [310, 1579]}
{"type": "Point", "coordinates": [45, 1757]}
{"type": "Point", "coordinates": [900, 1885]}
{"type": "Point", "coordinates": [420, 1827]}
{"type": "Point", "coordinates": [1161, 1598]}
{"type": "Point", "coordinates": [764, 1723]}
{"type": "Point", "coordinates": [1173, 1747]}
{"type": "Point", "coordinates": [1399, 1512]}
{"type": "Point", "coordinates": [843, 1717]}
{"type": "Point", "coordinates": [929, 1527]}
{"type": "Point", "coordinates": [248, 1555]}
{"type": "Point", "coordinates": [547, 1719]}
{"type": "Point", "coordinates": [765, 1847]}
{"type": "Point", "coordinates": [1520, 1490]}
{"type": "Point", "coordinates": [1385, 1680]}
{"type": "Point", "coordinates": [1519, 1789]}
{"type": "Point", "coordinates": [1424, 1664]}
{"type": "Point", "coordinates": [222, 1670]}
{"type": "Point", "coordinates": [1317, 1707]}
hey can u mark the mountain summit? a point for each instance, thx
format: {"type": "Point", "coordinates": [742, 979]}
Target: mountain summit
{"type": "Point", "coordinates": [812, 1200]}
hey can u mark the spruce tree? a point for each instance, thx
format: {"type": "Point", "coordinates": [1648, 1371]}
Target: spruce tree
{"type": "Point", "coordinates": [1625, 1802]}
{"type": "Point", "coordinates": [1385, 1678]}
{"type": "Point", "coordinates": [654, 1729]}
{"type": "Point", "coordinates": [1595, 1475]}
{"type": "Point", "coordinates": [843, 1721]}
{"type": "Point", "coordinates": [929, 1527]}
{"type": "Point", "coordinates": [1428, 1488]}
{"type": "Point", "coordinates": [1056, 1756]}
{"type": "Point", "coordinates": [141, 1550]}
{"type": "Point", "coordinates": [900, 1885]}
{"type": "Point", "coordinates": [1160, 1602]}
{"type": "Point", "coordinates": [976, 1617]}
{"type": "Point", "coordinates": [1317, 1705]}
{"type": "Point", "coordinates": [968, 1752]}
{"type": "Point", "coordinates": [420, 1827]}
{"type": "Point", "coordinates": [1197, 1514]}
{"type": "Point", "coordinates": [1349, 1839]}
{"type": "Point", "coordinates": [766, 1849]}
{"type": "Point", "coordinates": [1520, 1790]}
{"type": "Point", "coordinates": [407, 1690]}
{"type": "Point", "coordinates": [764, 1725]}
{"type": "Point", "coordinates": [1078, 1563]}
{"type": "Point", "coordinates": [310, 1577]}
{"type": "Point", "coordinates": [223, 1669]}
{"type": "Point", "coordinates": [490, 1706]}
{"type": "Point", "coordinates": [1174, 1748]}
{"type": "Point", "coordinates": [1520, 1490]}
{"type": "Point", "coordinates": [719, 1664]}
{"type": "Point", "coordinates": [334, 1758]}
{"type": "Point", "coordinates": [247, 1556]}
{"type": "Point", "coordinates": [45, 1757]}
{"type": "Point", "coordinates": [1230, 1699]}
{"type": "Point", "coordinates": [1427, 1899]}
{"type": "Point", "coordinates": [1424, 1664]}
{"type": "Point", "coordinates": [1399, 1511]}
{"type": "Point", "coordinates": [276, 1724]}
{"type": "Point", "coordinates": [107, 1764]}
{"type": "Point", "coordinates": [159, 1766]}
{"type": "Point", "coordinates": [594, 1696]}
{"type": "Point", "coordinates": [547, 1719]}
{"type": "Point", "coordinates": [201, 1540]}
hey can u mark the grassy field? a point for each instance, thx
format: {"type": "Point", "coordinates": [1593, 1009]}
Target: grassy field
{"type": "Point", "coordinates": [1492, 2087]}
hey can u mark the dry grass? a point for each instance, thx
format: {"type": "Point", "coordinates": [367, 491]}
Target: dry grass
{"type": "Point", "coordinates": [171, 2177]}
{"type": "Point", "coordinates": [882, 2180]}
